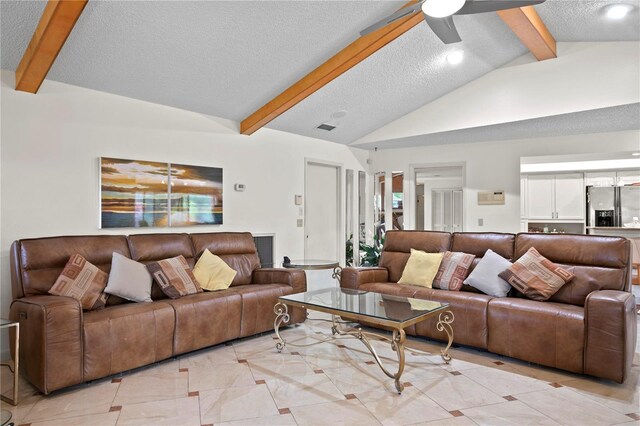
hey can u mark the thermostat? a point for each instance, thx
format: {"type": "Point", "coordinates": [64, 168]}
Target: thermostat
{"type": "Point", "coordinates": [239, 187]}
{"type": "Point", "coordinates": [487, 198]}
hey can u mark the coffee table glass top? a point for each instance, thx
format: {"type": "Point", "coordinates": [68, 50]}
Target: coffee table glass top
{"type": "Point", "coordinates": [366, 303]}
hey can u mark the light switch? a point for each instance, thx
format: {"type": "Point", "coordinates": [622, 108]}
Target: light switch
{"type": "Point", "coordinates": [480, 222]}
{"type": "Point", "coordinates": [300, 223]}
{"type": "Point", "coordinates": [298, 200]}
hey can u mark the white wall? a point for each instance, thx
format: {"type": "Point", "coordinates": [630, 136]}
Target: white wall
{"type": "Point", "coordinates": [51, 143]}
{"type": "Point", "coordinates": [584, 76]}
{"type": "Point", "coordinates": [494, 166]}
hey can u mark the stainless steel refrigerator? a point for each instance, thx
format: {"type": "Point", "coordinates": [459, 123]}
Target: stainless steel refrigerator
{"type": "Point", "coordinates": [612, 206]}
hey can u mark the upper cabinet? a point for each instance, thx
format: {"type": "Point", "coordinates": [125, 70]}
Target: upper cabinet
{"type": "Point", "coordinates": [626, 177]}
{"type": "Point", "coordinates": [555, 197]}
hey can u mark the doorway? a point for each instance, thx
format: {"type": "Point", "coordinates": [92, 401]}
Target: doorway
{"type": "Point", "coordinates": [439, 203]}
{"type": "Point", "coordinates": [322, 211]}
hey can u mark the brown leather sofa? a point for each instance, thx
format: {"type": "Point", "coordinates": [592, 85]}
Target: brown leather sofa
{"type": "Point", "coordinates": [60, 345]}
{"type": "Point", "coordinates": [588, 327]}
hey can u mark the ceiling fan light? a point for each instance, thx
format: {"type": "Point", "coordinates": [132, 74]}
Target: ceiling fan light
{"type": "Point", "coordinates": [441, 8]}
{"type": "Point", "coordinates": [455, 57]}
{"type": "Point", "coordinates": [618, 11]}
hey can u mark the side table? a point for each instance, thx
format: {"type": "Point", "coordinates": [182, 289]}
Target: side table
{"type": "Point", "coordinates": [4, 323]}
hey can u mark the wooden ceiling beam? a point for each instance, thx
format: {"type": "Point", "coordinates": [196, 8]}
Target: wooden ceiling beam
{"type": "Point", "coordinates": [531, 30]}
{"type": "Point", "coordinates": [344, 60]}
{"type": "Point", "coordinates": [57, 21]}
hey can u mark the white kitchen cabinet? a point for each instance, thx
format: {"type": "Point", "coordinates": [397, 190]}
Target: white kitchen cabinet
{"type": "Point", "coordinates": [600, 178]}
{"type": "Point", "coordinates": [628, 177]}
{"type": "Point", "coordinates": [555, 197]}
{"type": "Point", "coordinates": [523, 196]}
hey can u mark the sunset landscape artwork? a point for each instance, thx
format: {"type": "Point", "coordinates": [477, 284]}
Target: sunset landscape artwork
{"type": "Point", "coordinates": [134, 193]}
{"type": "Point", "coordinates": [138, 194]}
{"type": "Point", "coordinates": [196, 195]}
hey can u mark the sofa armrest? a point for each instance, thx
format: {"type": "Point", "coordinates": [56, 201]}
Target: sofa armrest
{"type": "Point", "coordinates": [296, 278]}
{"type": "Point", "coordinates": [610, 334]}
{"type": "Point", "coordinates": [51, 345]}
{"type": "Point", "coordinates": [354, 277]}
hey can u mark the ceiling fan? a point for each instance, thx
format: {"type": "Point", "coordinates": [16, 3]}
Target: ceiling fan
{"type": "Point", "coordinates": [439, 14]}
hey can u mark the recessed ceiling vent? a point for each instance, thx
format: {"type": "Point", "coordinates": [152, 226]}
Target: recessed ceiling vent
{"type": "Point", "coordinates": [327, 127]}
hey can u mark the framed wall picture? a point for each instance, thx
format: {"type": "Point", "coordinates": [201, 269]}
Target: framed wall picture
{"type": "Point", "coordinates": [133, 193]}
{"type": "Point", "coordinates": [136, 194]}
{"type": "Point", "coordinates": [196, 195]}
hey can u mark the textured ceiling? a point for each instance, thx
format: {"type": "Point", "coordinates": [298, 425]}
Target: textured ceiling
{"type": "Point", "coordinates": [228, 58]}
{"type": "Point", "coordinates": [612, 119]}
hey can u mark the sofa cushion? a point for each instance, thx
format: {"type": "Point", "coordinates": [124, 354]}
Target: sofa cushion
{"type": "Point", "coordinates": [535, 276]}
{"type": "Point", "coordinates": [598, 262]}
{"type": "Point", "coordinates": [453, 270]}
{"type": "Point", "coordinates": [398, 245]}
{"type": "Point", "coordinates": [127, 336]}
{"type": "Point", "coordinates": [174, 277]}
{"type": "Point", "coordinates": [257, 306]}
{"type": "Point", "coordinates": [421, 268]}
{"type": "Point", "coordinates": [129, 279]}
{"type": "Point", "coordinates": [206, 319]}
{"type": "Point", "coordinates": [212, 273]}
{"type": "Point", "coordinates": [469, 309]}
{"type": "Point", "coordinates": [485, 276]}
{"type": "Point", "coordinates": [237, 249]}
{"type": "Point", "coordinates": [82, 281]}
{"type": "Point", "coordinates": [548, 333]}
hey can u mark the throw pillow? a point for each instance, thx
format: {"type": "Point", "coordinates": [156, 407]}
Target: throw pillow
{"type": "Point", "coordinates": [212, 273]}
{"type": "Point", "coordinates": [174, 277]}
{"type": "Point", "coordinates": [535, 276]}
{"type": "Point", "coordinates": [82, 281]}
{"type": "Point", "coordinates": [421, 268]}
{"type": "Point", "coordinates": [485, 275]}
{"type": "Point", "coordinates": [453, 270]}
{"type": "Point", "coordinates": [129, 279]}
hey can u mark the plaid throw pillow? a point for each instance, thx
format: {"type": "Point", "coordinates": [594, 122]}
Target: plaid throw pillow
{"type": "Point", "coordinates": [174, 277]}
{"type": "Point", "coordinates": [82, 281]}
{"type": "Point", "coordinates": [535, 276]}
{"type": "Point", "coordinates": [453, 270]}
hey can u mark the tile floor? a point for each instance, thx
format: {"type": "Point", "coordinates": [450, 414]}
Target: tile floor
{"type": "Point", "coordinates": [246, 382]}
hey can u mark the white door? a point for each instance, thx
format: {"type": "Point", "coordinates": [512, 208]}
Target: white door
{"type": "Point", "coordinates": [447, 211]}
{"type": "Point", "coordinates": [321, 212]}
{"type": "Point", "coordinates": [437, 213]}
{"type": "Point", "coordinates": [457, 211]}
{"type": "Point", "coordinates": [540, 197]}
{"type": "Point", "coordinates": [569, 196]}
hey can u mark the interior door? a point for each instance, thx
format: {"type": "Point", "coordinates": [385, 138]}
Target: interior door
{"type": "Point", "coordinates": [457, 211]}
{"type": "Point", "coordinates": [437, 213]}
{"type": "Point", "coordinates": [321, 212]}
{"type": "Point", "coordinates": [569, 196]}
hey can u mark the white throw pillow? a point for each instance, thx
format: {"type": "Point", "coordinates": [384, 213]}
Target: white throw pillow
{"type": "Point", "coordinates": [485, 275]}
{"type": "Point", "coordinates": [129, 279]}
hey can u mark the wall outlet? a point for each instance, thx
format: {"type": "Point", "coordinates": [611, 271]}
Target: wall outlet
{"type": "Point", "coordinates": [480, 222]}
{"type": "Point", "coordinates": [300, 223]}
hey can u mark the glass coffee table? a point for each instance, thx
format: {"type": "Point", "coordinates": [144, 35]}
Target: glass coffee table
{"type": "Point", "coordinates": [378, 309]}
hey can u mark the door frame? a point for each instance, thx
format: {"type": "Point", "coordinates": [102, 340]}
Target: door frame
{"type": "Point", "coordinates": [412, 188]}
{"type": "Point", "coordinates": [340, 214]}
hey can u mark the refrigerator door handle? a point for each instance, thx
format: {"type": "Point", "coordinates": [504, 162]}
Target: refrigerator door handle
{"type": "Point", "coordinates": [617, 215]}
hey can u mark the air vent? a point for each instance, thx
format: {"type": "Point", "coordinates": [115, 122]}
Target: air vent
{"type": "Point", "coordinates": [264, 245]}
{"type": "Point", "coordinates": [327, 127]}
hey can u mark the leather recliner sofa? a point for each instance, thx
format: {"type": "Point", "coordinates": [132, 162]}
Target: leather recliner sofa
{"type": "Point", "coordinates": [60, 345]}
{"type": "Point", "coordinates": [587, 327]}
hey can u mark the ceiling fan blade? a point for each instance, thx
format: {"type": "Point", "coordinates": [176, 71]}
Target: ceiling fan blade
{"type": "Point", "coordinates": [444, 28]}
{"type": "Point", "coordinates": [405, 11]}
{"type": "Point", "coordinates": [482, 6]}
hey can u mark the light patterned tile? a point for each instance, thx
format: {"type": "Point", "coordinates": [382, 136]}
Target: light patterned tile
{"type": "Point", "coordinates": [453, 421]}
{"type": "Point", "coordinates": [182, 411]}
{"type": "Point", "coordinates": [279, 420]}
{"type": "Point", "coordinates": [19, 412]}
{"type": "Point", "coordinates": [220, 376]}
{"type": "Point", "coordinates": [504, 383]}
{"type": "Point", "coordinates": [348, 412]}
{"type": "Point", "coordinates": [164, 367]}
{"type": "Point", "coordinates": [256, 347]}
{"type": "Point", "coordinates": [360, 379]}
{"type": "Point", "coordinates": [279, 366]}
{"type": "Point", "coordinates": [151, 387]}
{"type": "Point", "coordinates": [568, 407]}
{"type": "Point", "coordinates": [224, 405]}
{"type": "Point", "coordinates": [84, 400]}
{"type": "Point", "coordinates": [104, 419]}
{"type": "Point", "coordinates": [303, 390]}
{"type": "Point", "coordinates": [457, 392]}
{"type": "Point", "coordinates": [331, 357]}
{"type": "Point", "coordinates": [507, 414]}
{"type": "Point", "coordinates": [216, 355]}
{"type": "Point", "coordinates": [393, 409]}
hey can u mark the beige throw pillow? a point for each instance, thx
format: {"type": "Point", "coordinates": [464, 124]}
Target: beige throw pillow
{"type": "Point", "coordinates": [83, 281]}
{"type": "Point", "coordinates": [212, 272]}
{"type": "Point", "coordinates": [129, 279]}
{"type": "Point", "coordinates": [421, 268]}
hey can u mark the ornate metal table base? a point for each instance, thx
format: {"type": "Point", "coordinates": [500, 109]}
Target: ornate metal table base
{"type": "Point", "coordinates": [397, 340]}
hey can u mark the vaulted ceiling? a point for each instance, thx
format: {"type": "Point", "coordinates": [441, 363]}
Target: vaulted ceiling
{"type": "Point", "coordinates": [228, 58]}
